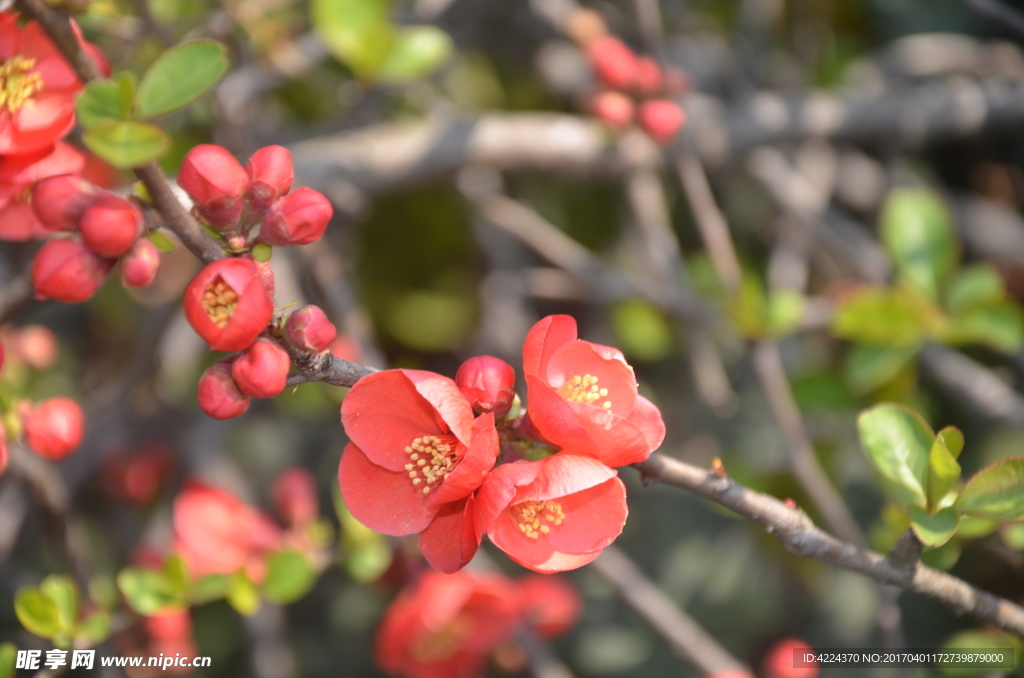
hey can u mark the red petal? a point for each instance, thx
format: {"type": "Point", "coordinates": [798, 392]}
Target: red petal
{"type": "Point", "coordinates": [647, 417]}
{"type": "Point", "coordinates": [543, 339]}
{"type": "Point", "coordinates": [17, 222]}
{"type": "Point", "coordinates": [535, 554]}
{"type": "Point", "coordinates": [447, 399]}
{"type": "Point", "coordinates": [499, 489]}
{"type": "Point", "coordinates": [253, 312]}
{"type": "Point", "coordinates": [384, 501]}
{"type": "Point", "coordinates": [555, 420]}
{"type": "Point", "coordinates": [619, 442]}
{"type": "Point", "coordinates": [579, 358]}
{"type": "Point", "coordinates": [593, 518]}
{"type": "Point", "coordinates": [477, 462]}
{"type": "Point", "coordinates": [564, 474]}
{"type": "Point", "coordinates": [450, 541]}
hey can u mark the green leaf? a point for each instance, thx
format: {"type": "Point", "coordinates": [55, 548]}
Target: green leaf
{"type": "Point", "coordinates": [176, 573]}
{"type": "Point", "coordinates": [917, 230]}
{"type": "Point", "coordinates": [99, 100]}
{"type": "Point", "coordinates": [975, 528]}
{"type": "Point", "coordinates": [37, 612]}
{"type": "Point", "coordinates": [894, 317]}
{"type": "Point", "coordinates": [262, 253]}
{"type": "Point", "coordinates": [417, 51]}
{"type": "Point", "coordinates": [148, 591]}
{"type": "Point", "coordinates": [126, 144]}
{"type": "Point", "coordinates": [943, 471]}
{"type": "Point", "coordinates": [1013, 535]}
{"type": "Point", "coordinates": [64, 593]}
{"type": "Point", "coordinates": [356, 32]}
{"type": "Point", "coordinates": [980, 641]}
{"type": "Point", "coordinates": [999, 325]}
{"type": "Point", "coordinates": [784, 312]}
{"type": "Point", "coordinates": [164, 244]}
{"type": "Point", "coordinates": [242, 594]}
{"type": "Point", "coordinates": [209, 588]}
{"type": "Point", "coordinates": [368, 561]}
{"type": "Point", "coordinates": [96, 627]}
{"type": "Point", "coordinates": [868, 367]}
{"type": "Point", "coordinates": [747, 307]}
{"type": "Point", "coordinates": [942, 557]}
{"type": "Point", "coordinates": [898, 442]}
{"type": "Point", "coordinates": [642, 330]}
{"type": "Point", "coordinates": [996, 492]}
{"type": "Point", "coordinates": [933, 530]}
{"type": "Point", "coordinates": [976, 285]}
{"type": "Point", "coordinates": [179, 76]}
{"type": "Point", "coordinates": [289, 577]}
{"type": "Point", "coordinates": [8, 654]}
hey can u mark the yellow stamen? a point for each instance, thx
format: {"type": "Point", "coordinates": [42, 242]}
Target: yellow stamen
{"type": "Point", "coordinates": [219, 302]}
{"type": "Point", "coordinates": [584, 389]}
{"type": "Point", "coordinates": [17, 83]}
{"type": "Point", "coordinates": [531, 513]}
{"type": "Point", "coordinates": [433, 459]}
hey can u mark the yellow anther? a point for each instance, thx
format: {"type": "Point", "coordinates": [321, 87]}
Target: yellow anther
{"type": "Point", "coordinates": [532, 513]}
{"type": "Point", "coordinates": [433, 459]}
{"type": "Point", "coordinates": [584, 389]}
{"type": "Point", "coordinates": [219, 302]}
{"type": "Point", "coordinates": [17, 83]}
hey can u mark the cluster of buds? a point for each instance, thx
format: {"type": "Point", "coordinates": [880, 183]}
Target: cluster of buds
{"type": "Point", "coordinates": [634, 88]}
{"type": "Point", "coordinates": [103, 229]}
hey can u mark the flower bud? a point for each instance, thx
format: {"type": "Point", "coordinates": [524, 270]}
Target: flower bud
{"type": "Point", "coordinates": [295, 496]}
{"type": "Point", "coordinates": [218, 394]}
{"type": "Point", "coordinates": [488, 384]}
{"type": "Point", "coordinates": [270, 175]}
{"type": "Point", "coordinates": [216, 182]}
{"type": "Point", "coordinates": [58, 202]}
{"type": "Point", "coordinates": [67, 271]}
{"type": "Point", "coordinates": [262, 369]}
{"type": "Point", "coordinates": [779, 661]}
{"type": "Point", "coordinates": [299, 218]}
{"type": "Point", "coordinates": [110, 225]}
{"type": "Point", "coordinates": [34, 345]}
{"type": "Point", "coordinates": [614, 108]}
{"type": "Point", "coordinates": [227, 305]}
{"type": "Point", "coordinates": [649, 78]}
{"type": "Point", "coordinates": [614, 63]}
{"type": "Point", "coordinates": [53, 428]}
{"type": "Point", "coordinates": [309, 329]}
{"type": "Point", "coordinates": [141, 264]}
{"type": "Point", "coordinates": [662, 119]}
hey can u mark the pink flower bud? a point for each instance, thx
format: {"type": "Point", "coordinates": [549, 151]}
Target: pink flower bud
{"type": "Point", "coordinates": [614, 62]}
{"type": "Point", "coordinates": [110, 225]}
{"type": "Point", "coordinates": [35, 345]}
{"type": "Point", "coordinates": [649, 78]}
{"type": "Point", "coordinates": [218, 394]}
{"type": "Point", "coordinates": [662, 119]}
{"type": "Point", "coordinates": [227, 304]}
{"type": "Point", "coordinates": [614, 108]}
{"type": "Point", "coordinates": [141, 264]}
{"type": "Point", "coordinates": [309, 329]}
{"type": "Point", "coordinates": [295, 496]}
{"type": "Point", "coordinates": [270, 175]}
{"type": "Point", "coordinates": [58, 202]}
{"type": "Point", "coordinates": [67, 271]}
{"type": "Point", "coordinates": [299, 218]}
{"type": "Point", "coordinates": [216, 182]}
{"type": "Point", "coordinates": [53, 428]}
{"type": "Point", "coordinates": [262, 369]}
{"type": "Point", "coordinates": [488, 384]}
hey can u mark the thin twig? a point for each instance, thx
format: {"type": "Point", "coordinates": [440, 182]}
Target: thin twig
{"type": "Point", "coordinates": [1006, 16]}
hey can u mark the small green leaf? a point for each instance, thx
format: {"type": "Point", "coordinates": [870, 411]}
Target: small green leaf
{"type": "Point", "coordinates": [8, 654]}
{"type": "Point", "coordinates": [64, 593]}
{"type": "Point", "coordinates": [975, 528]}
{"type": "Point", "coordinates": [179, 76]}
{"type": "Point", "coordinates": [176, 573]}
{"type": "Point", "coordinates": [242, 594]}
{"type": "Point", "coordinates": [868, 367]}
{"type": "Point", "coordinates": [942, 557]}
{"type": "Point", "coordinates": [417, 51]}
{"type": "Point", "coordinates": [209, 588]}
{"type": "Point", "coordinates": [933, 530]}
{"type": "Point", "coordinates": [998, 325]}
{"type": "Point", "coordinates": [995, 492]}
{"type": "Point", "coordinates": [367, 562]}
{"type": "Point", "coordinates": [99, 100]}
{"type": "Point", "coordinates": [976, 285]}
{"type": "Point", "coordinates": [148, 591]}
{"type": "Point", "coordinates": [898, 442]}
{"type": "Point", "coordinates": [356, 32]}
{"type": "Point", "coordinates": [784, 312]}
{"type": "Point", "coordinates": [96, 627]}
{"type": "Point", "coordinates": [943, 471]}
{"type": "Point", "coordinates": [126, 85]}
{"type": "Point", "coordinates": [37, 612]}
{"type": "Point", "coordinates": [126, 144]}
{"type": "Point", "coordinates": [262, 252]}
{"type": "Point", "coordinates": [164, 244]}
{"type": "Point", "coordinates": [289, 577]}
{"type": "Point", "coordinates": [917, 230]}
{"type": "Point", "coordinates": [886, 317]}
{"type": "Point", "coordinates": [1013, 535]}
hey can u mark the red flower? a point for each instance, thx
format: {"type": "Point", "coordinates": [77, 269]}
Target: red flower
{"type": "Point", "coordinates": [551, 605]}
{"type": "Point", "coordinates": [58, 201]}
{"type": "Point", "coordinates": [299, 218]}
{"type": "Point", "coordinates": [67, 271]}
{"type": "Point", "coordinates": [614, 62]}
{"type": "Point", "coordinates": [218, 394]}
{"type": "Point", "coordinates": [309, 329]}
{"type": "Point", "coordinates": [262, 369]}
{"type": "Point", "coordinates": [552, 515]}
{"type": "Point", "coordinates": [295, 496]}
{"type": "Point", "coordinates": [217, 533]}
{"type": "Point", "coordinates": [53, 428]}
{"type": "Point", "coordinates": [649, 79]}
{"type": "Point", "coordinates": [18, 221]}
{"type": "Point", "coordinates": [4, 456]}
{"type": "Point", "coordinates": [216, 181]}
{"type": "Point", "coordinates": [34, 345]}
{"type": "Point", "coordinates": [488, 384]}
{"type": "Point", "coordinates": [415, 457]}
{"type": "Point", "coordinates": [662, 119]}
{"type": "Point", "coordinates": [615, 108]}
{"type": "Point", "coordinates": [227, 305]}
{"type": "Point", "coordinates": [141, 264]}
{"type": "Point", "coordinates": [37, 87]}
{"type": "Point", "coordinates": [583, 396]}
{"type": "Point", "coordinates": [110, 225]}
{"type": "Point", "coordinates": [270, 175]}
{"type": "Point", "coordinates": [780, 661]}
{"type": "Point", "coordinates": [446, 625]}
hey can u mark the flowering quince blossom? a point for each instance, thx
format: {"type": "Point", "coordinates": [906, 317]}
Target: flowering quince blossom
{"type": "Point", "coordinates": [227, 304]}
{"type": "Point", "coordinates": [550, 604]}
{"type": "Point", "coordinates": [66, 270]}
{"type": "Point", "coordinates": [445, 625]}
{"type": "Point", "coordinates": [18, 173]}
{"type": "Point", "coordinates": [37, 86]}
{"type": "Point", "coordinates": [552, 515]}
{"type": "Point", "coordinates": [416, 456]}
{"type": "Point", "coordinates": [53, 428]}
{"type": "Point", "coordinates": [583, 396]}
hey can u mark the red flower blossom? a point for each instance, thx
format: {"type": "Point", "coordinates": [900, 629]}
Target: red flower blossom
{"type": "Point", "coordinates": [18, 173]}
{"type": "Point", "coordinates": [446, 625]}
{"type": "Point", "coordinates": [110, 225]}
{"type": "Point", "coordinates": [270, 175]}
{"type": "Point", "coordinates": [552, 515]}
{"type": "Point", "coordinates": [488, 384]}
{"type": "Point", "coordinates": [662, 119]}
{"type": "Point", "coordinates": [216, 533]}
{"type": "Point", "coordinates": [227, 304]}
{"type": "Point", "coordinates": [415, 457]}
{"type": "Point", "coordinates": [614, 63]}
{"type": "Point", "coordinates": [299, 218]}
{"type": "Point", "coordinates": [262, 369]}
{"type": "Point", "coordinates": [137, 479]}
{"type": "Point", "coordinates": [67, 271]}
{"type": "Point", "coordinates": [37, 86]}
{"type": "Point", "coordinates": [583, 396]}
{"type": "Point", "coordinates": [53, 428]}
{"type": "Point", "coordinates": [216, 181]}
{"type": "Point", "coordinates": [551, 605]}
{"type": "Point", "coordinates": [58, 201]}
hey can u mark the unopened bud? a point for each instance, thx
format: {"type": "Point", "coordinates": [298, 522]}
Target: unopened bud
{"type": "Point", "coordinates": [309, 329]}
{"type": "Point", "coordinates": [58, 202]}
{"type": "Point", "coordinates": [141, 264]}
{"type": "Point", "coordinates": [53, 428]}
{"type": "Point", "coordinates": [261, 370]}
{"type": "Point", "coordinates": [662, 119]}
{"type": "Point", "coordinates": [488, 384]}
{"type": "Point", "coordinates": [299, 218]}
{"type": "Point", "coordinates": [270, 175]}
{"type": "Point", "coordinates": [216, 182]}
{"type": "Point", "coordinates": [67, 271]}
{"type": "Point", "coordinates": [110, 225]}
{"type": "Point", "coordinates": [218, 394]}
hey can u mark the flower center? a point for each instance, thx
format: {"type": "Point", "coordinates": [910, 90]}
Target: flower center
{"type": "Point", "coordinates": [442, 643]}
{"type": "Point", "coordinates": [534, 517]}
{"type": "Point", "coordinates": [17, 84]}
{"type": "Point", "coordinates": [431, 460]}
{"type": "Point", "coordinates": [584, 390]}
{"type": "Point", "coordinates": [219, 301]}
